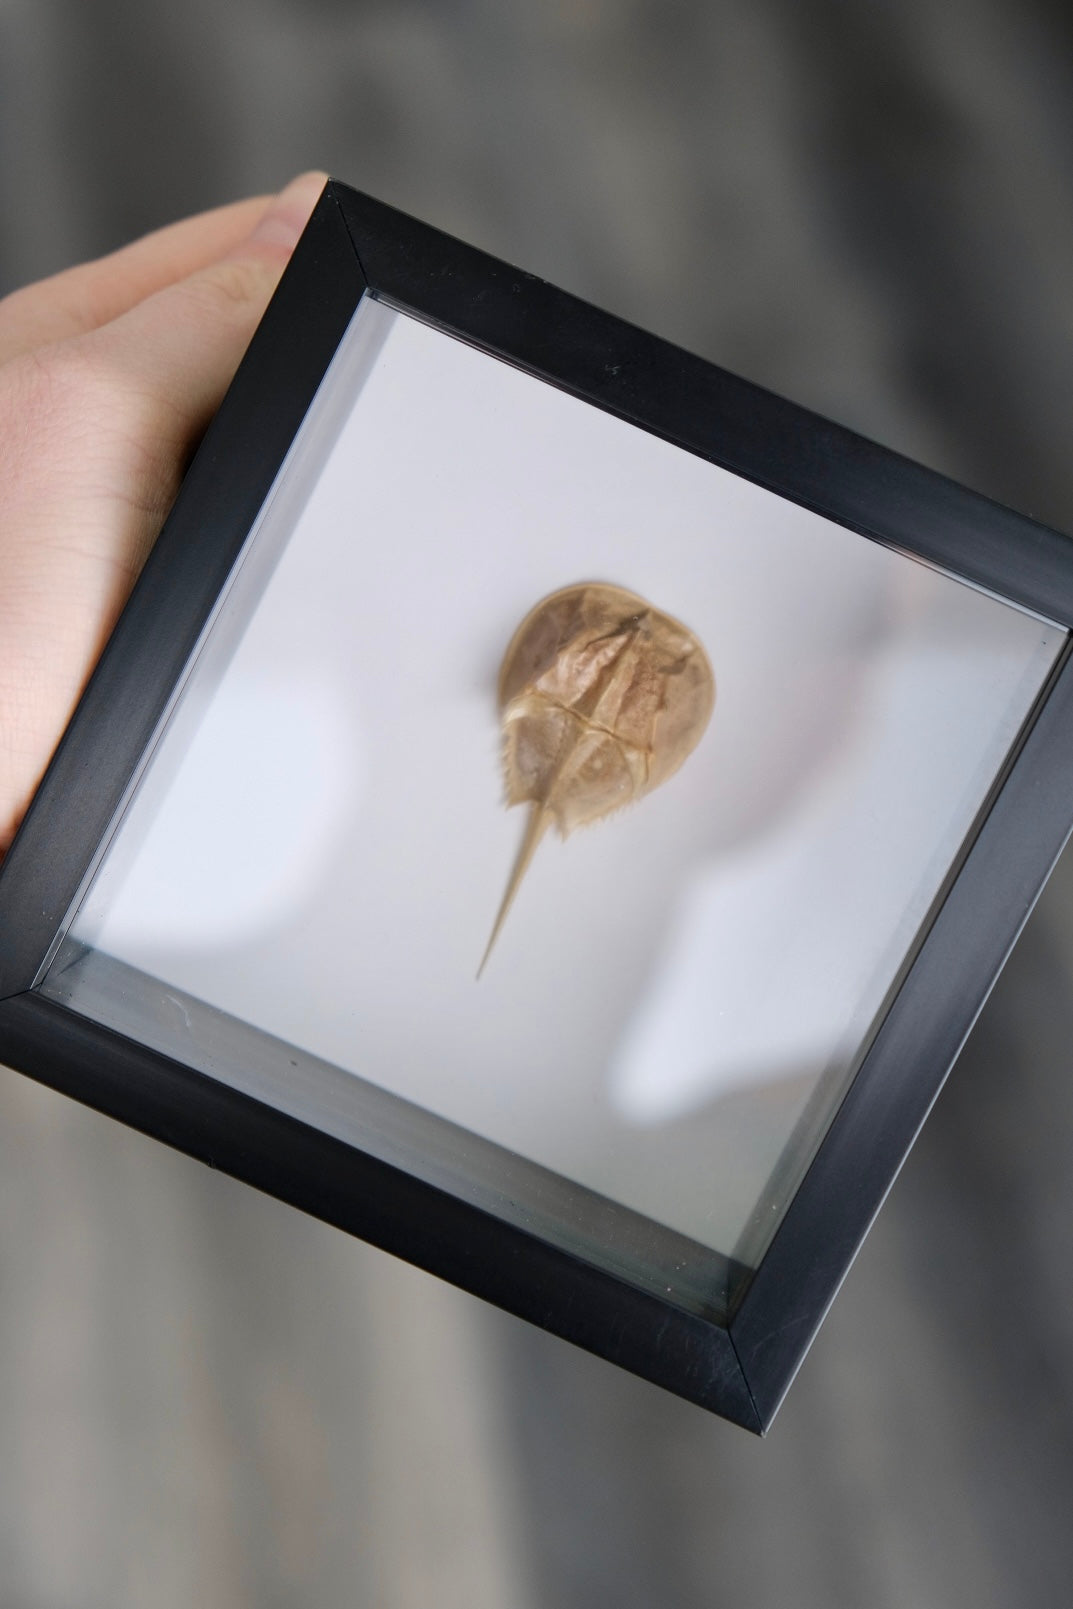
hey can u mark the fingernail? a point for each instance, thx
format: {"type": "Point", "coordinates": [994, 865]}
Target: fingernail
{"type": "Point", "coordinates": [288, 214]}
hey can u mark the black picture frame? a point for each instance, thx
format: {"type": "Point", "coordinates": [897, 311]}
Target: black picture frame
{"type": "Point", "coordinates": [739, 1361]}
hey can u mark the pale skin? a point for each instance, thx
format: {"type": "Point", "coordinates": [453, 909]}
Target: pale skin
{"type": "Point", "coordinates": [109, 375]}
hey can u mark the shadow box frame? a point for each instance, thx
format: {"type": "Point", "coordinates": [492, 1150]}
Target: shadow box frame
{"type": "Point", "coordinates": [740, 1364]}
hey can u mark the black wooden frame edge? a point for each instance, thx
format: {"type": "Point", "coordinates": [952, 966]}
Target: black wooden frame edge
{"type": "Point", "coordinates": [119, 710]}
{"type": "Point", "coordinates": [381, 1204]}
{"type": "Point", "coordinates": [353, 244]}
{"type": "Point", "coordinates": [799, 455]}
{"type": "Point", "coordinates": [692, 403]}
{"type": "Point", "coordinates": [537, 1193]}
{"type": "Point", "coordinates": [919, 1040]}
{"type": "Point", "coordinates": [144, 658]}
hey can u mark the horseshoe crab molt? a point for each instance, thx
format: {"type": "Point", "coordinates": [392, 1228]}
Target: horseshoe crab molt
{"type": "Point", "coordinates": [601, 697]}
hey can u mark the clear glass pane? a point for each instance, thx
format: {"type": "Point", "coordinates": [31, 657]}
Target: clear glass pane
{"type": "Point", "coordinates": [681, 992]}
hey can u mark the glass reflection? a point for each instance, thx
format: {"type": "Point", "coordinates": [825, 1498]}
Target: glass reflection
{"type": "Point", "coordinates": [318, 845]}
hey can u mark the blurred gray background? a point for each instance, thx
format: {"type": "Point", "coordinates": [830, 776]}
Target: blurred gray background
{"type": "Point", "coordinates": [206, 1397]}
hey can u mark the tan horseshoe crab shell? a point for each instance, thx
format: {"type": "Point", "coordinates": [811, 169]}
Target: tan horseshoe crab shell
{"type": "Point", "coordinates": [601, 698]}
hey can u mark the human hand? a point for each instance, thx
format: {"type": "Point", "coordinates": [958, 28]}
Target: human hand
{"type": "Point", "coordinates": [109, 375]}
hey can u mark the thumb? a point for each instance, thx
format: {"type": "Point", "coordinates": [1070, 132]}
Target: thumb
{"type": "Point", "coordinates": [95, 432]}
{"type": "Point", "coordinates": [178, 349]}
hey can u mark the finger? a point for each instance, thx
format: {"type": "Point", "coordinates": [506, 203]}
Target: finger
{"type": "Point", "coordinates": [172, 356]}
{"type": "Point", "coordinates": [83, 298]}
{"type": "Point", "coordinates": [97, 432]}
